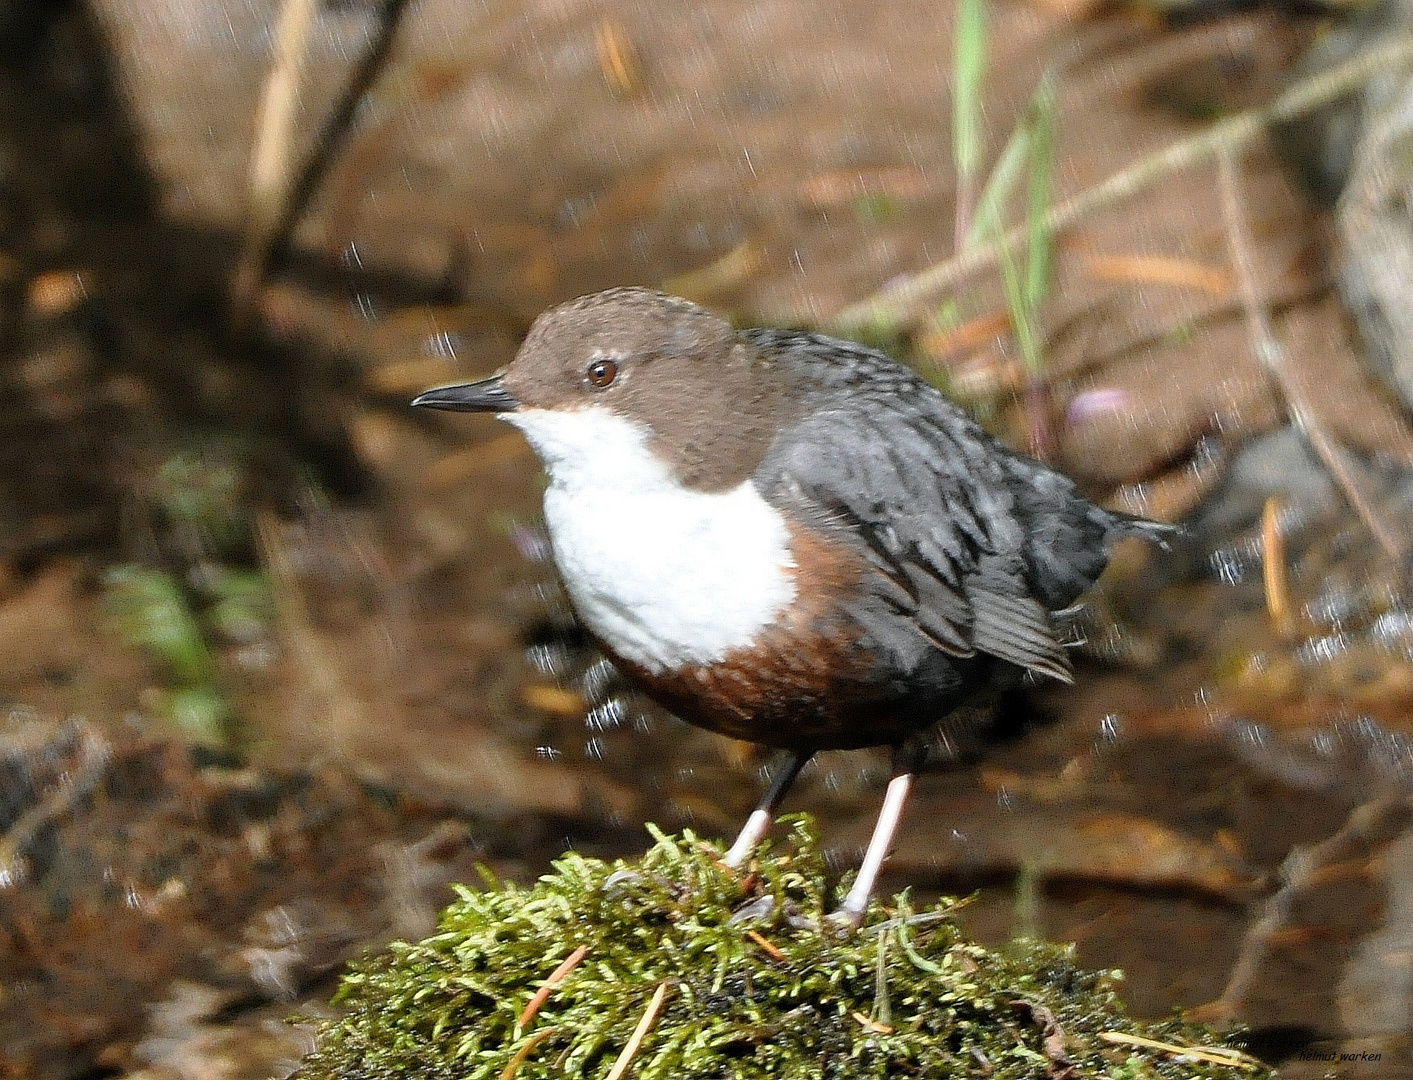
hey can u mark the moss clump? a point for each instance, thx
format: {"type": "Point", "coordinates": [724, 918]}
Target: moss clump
{"type": "Point", "coordinates": [747, 983]}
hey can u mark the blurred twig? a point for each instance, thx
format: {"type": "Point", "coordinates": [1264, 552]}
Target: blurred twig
{"type": "Point", "coordinates": [1272, 357]}
{"type": "Point", "coordinates": [905, 301]}
{"type": "Point", "coordinates": [272, 154]}
{"type": "Point", "coordinates": [1273, 571]}
{"type": "Point", "coordinates": [279, 193]}
{"type": "Point", "coordinates": [95, 756]}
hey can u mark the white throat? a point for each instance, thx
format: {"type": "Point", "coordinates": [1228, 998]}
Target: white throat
{"type": "Point", "coordinates": [664, 575]}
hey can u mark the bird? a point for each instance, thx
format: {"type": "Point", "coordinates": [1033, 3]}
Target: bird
{"type": "Point", "coordinates": [789, 538]}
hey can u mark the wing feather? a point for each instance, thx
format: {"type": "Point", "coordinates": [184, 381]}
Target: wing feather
{"type": "Point", "coordinates": [892, 467]}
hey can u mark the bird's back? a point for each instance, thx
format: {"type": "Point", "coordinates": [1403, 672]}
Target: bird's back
{"type": "Point", "coordinates": [968, 547]}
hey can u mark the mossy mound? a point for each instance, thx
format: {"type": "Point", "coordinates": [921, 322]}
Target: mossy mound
{"type": "Point", "coordinates": [731, 976]}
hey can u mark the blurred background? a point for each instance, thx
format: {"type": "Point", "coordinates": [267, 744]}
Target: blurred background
{"type": "Point", "coordinates": [280, 659]}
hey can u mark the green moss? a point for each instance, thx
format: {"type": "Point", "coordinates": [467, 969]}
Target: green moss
{"type": "Point", "coordinates": [754, 987]}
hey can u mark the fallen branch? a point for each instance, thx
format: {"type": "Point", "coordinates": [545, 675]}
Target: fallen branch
{"type": "Point", "coordinates": [906, 300]}
{"type": "Point", "coordinates": [1271, 355]}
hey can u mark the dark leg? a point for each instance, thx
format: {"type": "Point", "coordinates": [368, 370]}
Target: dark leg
{"type": "Point", "coordinates": [763, 816]}
{"type": "Point", "coordinates": [906, 761]}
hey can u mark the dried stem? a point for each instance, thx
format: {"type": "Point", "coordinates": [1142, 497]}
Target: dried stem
{"type": "Point", "coordinates": [620, 1067]}
{"type": "Point", "coordinates": [1272, 357]}
{"type": "Point", "coordinates": [905, 301]}
{"type": "Point", "coordinates": [1273, 571]}
{"type": "Point", "coordinates": [557, 976]}
{"type": "Point", "coordinates": [766, 946]}
{"type": "Point", "coordinates": [513, 1066]}
{"type": "Point", "coordinates": [1212, 1055]}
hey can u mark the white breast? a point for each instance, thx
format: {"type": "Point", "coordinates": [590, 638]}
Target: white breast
{"type": "Point", "coordinates": [664, 575]}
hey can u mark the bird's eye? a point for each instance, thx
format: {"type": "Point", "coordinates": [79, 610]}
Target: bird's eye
{"type": "Point", "coordinates": [602, 372]}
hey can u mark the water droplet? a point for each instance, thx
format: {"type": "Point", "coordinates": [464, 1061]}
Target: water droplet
{"type": "Point", "coordinates": [606, 717]}
{"type": "Point", "coordinates": [548, 659]}
{"type": "Point", "coordinates": [1227, 566]}
{"type": "Point", "coordinates": [441, 345]}
{"type": "Point", "coordinates": [531, 542]}
{"type": "Point", "coordinates": [1110, 729]}
{"type": "Point", "coordinates": [596, 679]}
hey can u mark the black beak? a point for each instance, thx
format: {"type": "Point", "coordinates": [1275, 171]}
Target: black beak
{"type": "Point", "coordinates": [488, 395]}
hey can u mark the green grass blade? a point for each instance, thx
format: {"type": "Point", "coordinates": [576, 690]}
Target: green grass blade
{"type": "Point", "coordinates": [1025, 288]}
{"type": "Point", "coordinates": [1039, 187]}
{"type": "Point", "coordinates": [968, 71]}
{"type": "Point", "coordinates": [987, 220]}
{"type": "Point", "coordinates": [1022, 316]}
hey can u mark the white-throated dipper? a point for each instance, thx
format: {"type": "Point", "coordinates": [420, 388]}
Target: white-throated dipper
{"type": "Point", "coordinates": [788, 538]}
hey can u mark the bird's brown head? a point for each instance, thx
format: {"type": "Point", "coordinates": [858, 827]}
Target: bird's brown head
{"type": "Point", "coordinates": [708, 402]}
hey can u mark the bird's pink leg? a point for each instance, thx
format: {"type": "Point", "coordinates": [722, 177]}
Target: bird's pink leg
{"type": "Point", "coordinates": [851, 911]}
{"type": "Point", "coordinates": [763, 816]}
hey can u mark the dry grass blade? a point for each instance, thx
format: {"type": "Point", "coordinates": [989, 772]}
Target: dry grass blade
{"type": "Point", "coordinates": [1272, 357]}
{"type": "Point", "coordinates": [1273, 570]}
{"type": "Point", "coordinates": [905, 301]}
{"type": "Point", "coordinates": [513, 1065]}
{"type": "Point", "coordinates": [618, 61]}
{"type": "Point", "coordinates": [872, 1026]}
{"type": "Point", "coordinates": [766, 946]}
{"type": "Point", "coordinates": [1159, 270]}
{"type": "Point", "coordinates": [1212, 1055]}
{"type": "Point", "coordinates": [557, 976]}
{"type": "Point", "coordinates": [635, 1042]}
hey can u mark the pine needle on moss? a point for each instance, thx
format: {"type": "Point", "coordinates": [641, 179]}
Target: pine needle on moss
{"type": "Point", "coordinates": [931, 1003]}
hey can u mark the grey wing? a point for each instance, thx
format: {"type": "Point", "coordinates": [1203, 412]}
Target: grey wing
{"type": "Point", "coordinates": [925, 497]}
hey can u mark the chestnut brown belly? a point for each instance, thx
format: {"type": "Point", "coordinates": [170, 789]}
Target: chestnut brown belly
{"type": "Point", "coordinates": [786, 697]}
{"type": "Point", "coordinates": [812, 680]}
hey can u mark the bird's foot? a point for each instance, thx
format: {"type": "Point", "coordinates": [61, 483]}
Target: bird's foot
{"type": "Point", "coordinates": [844, 922]}
{"type": "Point", "coordinates": [757, 825]}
